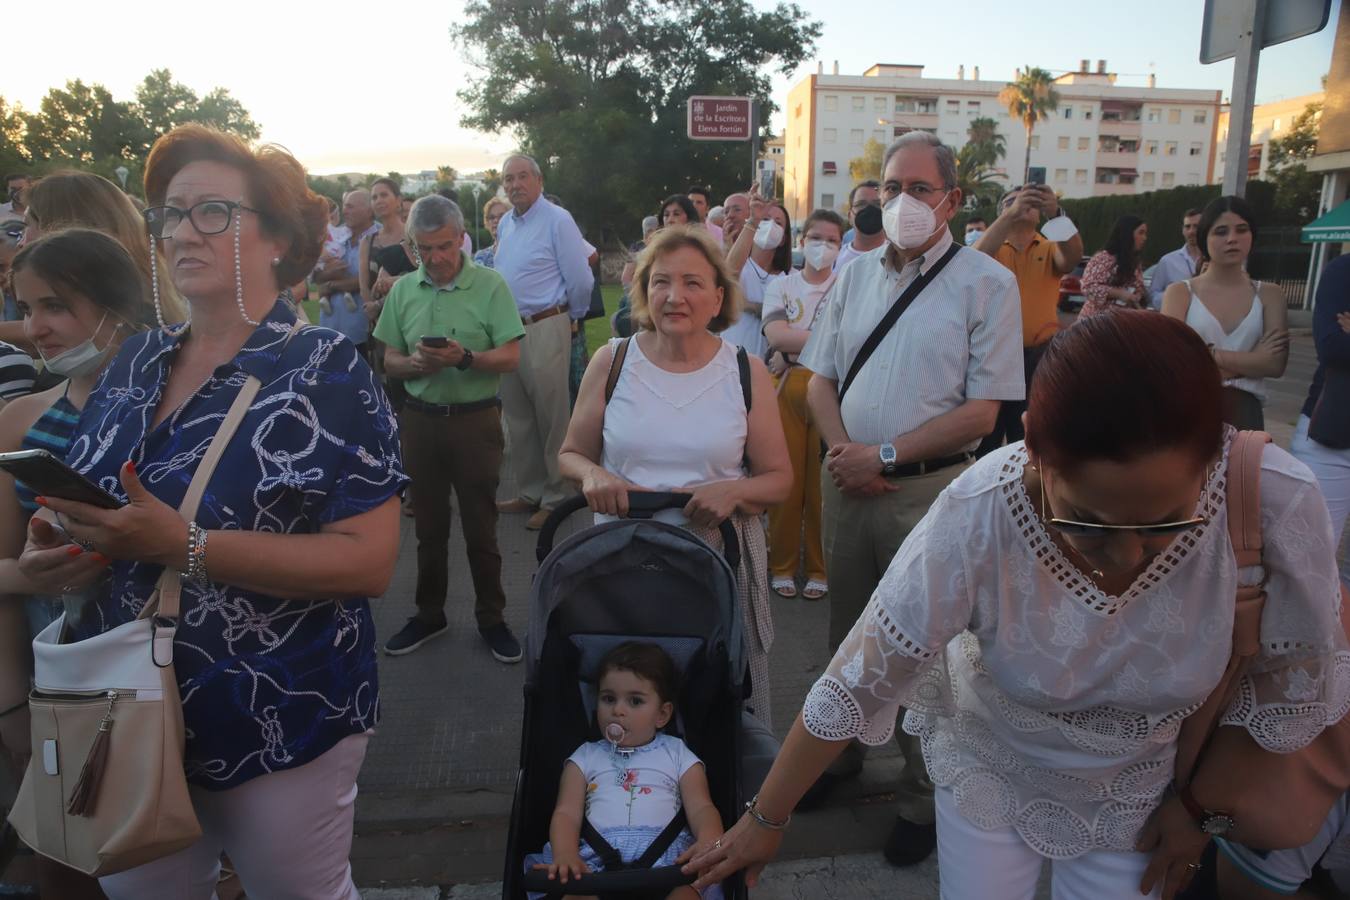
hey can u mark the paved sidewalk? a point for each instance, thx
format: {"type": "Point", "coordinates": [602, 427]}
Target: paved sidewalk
{"type": "Point", "coordinates": [436, 786]}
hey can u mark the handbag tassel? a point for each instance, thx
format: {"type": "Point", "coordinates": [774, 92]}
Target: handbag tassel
{"type": "Point", "coordinates": [85, 795]}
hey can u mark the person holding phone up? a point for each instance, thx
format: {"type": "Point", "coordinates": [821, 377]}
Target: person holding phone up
{"type": "Point", "coordinates": [450, 330]}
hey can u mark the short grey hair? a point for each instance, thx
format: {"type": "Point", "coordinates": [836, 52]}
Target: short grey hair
{"type": "Point", "coordinates": [432, 213]}
{"type": "Point", "coordinates": [534, 166]}
{"type": "Point", "coordinates": [946, 159]}
{"type": "Point", "coordinates": [650, 224]}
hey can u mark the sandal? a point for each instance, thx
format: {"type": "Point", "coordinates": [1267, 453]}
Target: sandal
{"type": "Point", "coordinates": [815, 589]}
{"type": "Point", "coordinates": [784, 586]}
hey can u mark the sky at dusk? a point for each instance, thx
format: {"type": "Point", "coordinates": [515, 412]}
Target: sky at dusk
{"type": "Point", "coordinates": [372, 87]}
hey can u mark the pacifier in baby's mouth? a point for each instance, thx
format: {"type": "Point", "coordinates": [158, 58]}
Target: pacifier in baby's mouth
{"type": "Point", "coordinates": [615, 733]}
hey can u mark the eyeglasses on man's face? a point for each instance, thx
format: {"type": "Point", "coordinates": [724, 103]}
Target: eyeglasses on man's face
{"type": "Point", "coordinates": [208, 217]}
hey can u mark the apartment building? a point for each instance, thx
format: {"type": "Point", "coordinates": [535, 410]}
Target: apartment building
{"type": "Point", "coordinates": [1103, 139]}
{"type": "Point", "coordinates": [1269, 121]}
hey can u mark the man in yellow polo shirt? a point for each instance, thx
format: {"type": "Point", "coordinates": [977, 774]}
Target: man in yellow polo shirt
{"type": "Point", "coordinates": [450, 330]}
{"type": "Point", "coordinates": [1037, 263]}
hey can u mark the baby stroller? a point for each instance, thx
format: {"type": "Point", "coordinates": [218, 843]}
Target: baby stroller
{"type": "Point", "coordinates": [634, 578]}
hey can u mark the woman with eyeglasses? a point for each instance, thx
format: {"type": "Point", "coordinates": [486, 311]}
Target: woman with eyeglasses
{"type": "Point", "coordinates": [275, 647]}
{"type": "Point", "coordinates": [493, 210]}
{"type": "Point", "coordinates": [1059, 611]}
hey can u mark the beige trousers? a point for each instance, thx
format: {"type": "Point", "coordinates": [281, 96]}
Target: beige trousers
{"type": "Point", "coordinates": [536, 407]}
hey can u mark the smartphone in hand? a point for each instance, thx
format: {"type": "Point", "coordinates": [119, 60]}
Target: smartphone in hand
{"type": "Point", "coordinates": [440, 342]}
{"type": "Point", "coordinates": [49, 476]}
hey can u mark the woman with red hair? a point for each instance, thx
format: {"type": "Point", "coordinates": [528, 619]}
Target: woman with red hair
{"type": "Point", "coordinates": [1064, 605]}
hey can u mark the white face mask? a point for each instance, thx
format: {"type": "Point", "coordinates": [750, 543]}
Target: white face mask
{"type": "Point", "coordinates": [1059, 228]}
{"type": "Point", "coordinates": [83, 359]}
{"type": "Point", "coordinates": [819, 254]}
{"type": "Point", "coordinates": [909, 222]}
{"type": "Point", "coordinates": [768, 235]}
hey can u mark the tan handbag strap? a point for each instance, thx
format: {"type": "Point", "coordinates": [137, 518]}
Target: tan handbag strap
{"type": "Point", "coordinates": [165, 601]}
{"type": "Point", "coordinates": [1243, 503]}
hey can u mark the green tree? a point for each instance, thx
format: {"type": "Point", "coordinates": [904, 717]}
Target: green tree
{"type": "Point", "coordinates": [988, 145]}
{"type": "Point", "coordinates": [1031, 99]}
{"type": "Point", "coordinates": [861, 168]}
{"type": "Point", "coordinates": [975, 176]}
{"type": "Point", "coordinates": [164, 104]}
{"type": "Point", "coordinates": [1297, 191]}
{"type": "Point", "coordinates": [597, 89]}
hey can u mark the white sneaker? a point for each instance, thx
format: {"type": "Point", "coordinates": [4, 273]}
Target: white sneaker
{"type": "Point", "coordinates": [325, 306]}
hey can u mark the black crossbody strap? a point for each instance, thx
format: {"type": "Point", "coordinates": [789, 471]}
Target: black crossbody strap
{"type": "Point", "coordinates": [893, 315]}
{"type": "Point", "coordinates": [615, 367]}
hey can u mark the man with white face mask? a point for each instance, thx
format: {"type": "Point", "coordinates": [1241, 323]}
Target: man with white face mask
{"type": "Point", "coordinates": [902, 403]}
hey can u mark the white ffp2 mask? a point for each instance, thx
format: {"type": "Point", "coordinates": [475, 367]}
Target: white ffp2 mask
{"type": "Point", "coordinates": [909, 222]}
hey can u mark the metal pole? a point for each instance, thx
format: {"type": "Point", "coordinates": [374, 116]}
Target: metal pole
{"type": "Point", "coordinates": [754, 142]}
{"type": "Point", "coordinates": [1252, 13]}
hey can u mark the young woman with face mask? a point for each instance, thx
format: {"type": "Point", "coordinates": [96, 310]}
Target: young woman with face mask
{"type": "Point", "coordinates": [80, 295]}
{"type": "Point", "coordinates": [761, 254]}
{"type": "Point", "coordinates": [791, 305]}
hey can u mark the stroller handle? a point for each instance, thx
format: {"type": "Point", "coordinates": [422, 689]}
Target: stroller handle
{"type": "Point", "coordinates": [641, 505]}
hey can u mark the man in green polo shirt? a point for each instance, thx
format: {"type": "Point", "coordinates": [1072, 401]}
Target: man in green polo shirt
{"type": "Point", "coordinates": [450, 330]}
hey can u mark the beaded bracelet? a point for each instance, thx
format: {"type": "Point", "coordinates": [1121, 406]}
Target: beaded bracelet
{"type": "Point", "coordinates": [753, 809]}
{"type": "Point", "coordinates": [196, 555]}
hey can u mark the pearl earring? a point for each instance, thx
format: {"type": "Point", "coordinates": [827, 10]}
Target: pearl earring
{"type": "Point", "coordinates": [276, 261]}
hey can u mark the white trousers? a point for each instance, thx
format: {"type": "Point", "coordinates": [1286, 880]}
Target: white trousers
{"type": "Point", "coordinates": [974, 864]}
{"type": "Point", "coordinates": [288, 836]}
{"type": "Point", "coordinates": [1332, 468]}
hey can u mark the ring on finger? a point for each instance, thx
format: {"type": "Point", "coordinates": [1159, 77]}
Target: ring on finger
{"type": "Point", "coordinates": [85, 545]}
{"type": "Point", "coordinates": [717, 844]}
{"type": "Point", "coordinates": [1194, 867]}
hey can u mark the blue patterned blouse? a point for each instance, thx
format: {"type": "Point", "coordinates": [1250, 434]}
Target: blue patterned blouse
{"type": "Point", "coordinates": [267, 684]}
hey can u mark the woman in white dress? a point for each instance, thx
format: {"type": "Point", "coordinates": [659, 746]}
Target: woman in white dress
{"type": "Point", "coordinates": [1047, 663]}
{"type": "Point", "coordinates": [1244, 322]}
{"type": "Point", "coordinates": [677, 420]}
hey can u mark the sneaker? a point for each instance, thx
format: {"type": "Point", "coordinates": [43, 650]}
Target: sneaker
{"type": "Point", "coordinates": [909, 843]}
{"type": "Point", "coordinates": [515, 505]}
{"type": "Point", "coordinates": [505, 648]}
{"type": "Point", "coordinates": [413, 635]}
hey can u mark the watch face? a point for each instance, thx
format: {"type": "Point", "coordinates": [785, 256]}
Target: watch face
{"type": "Point", "coordinates": [887, 454]}
{"type": "Point", "coordinates": [1217, 824]}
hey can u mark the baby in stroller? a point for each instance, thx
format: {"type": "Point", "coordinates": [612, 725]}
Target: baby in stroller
{"type": "Point", "coordinates": [625, 791]}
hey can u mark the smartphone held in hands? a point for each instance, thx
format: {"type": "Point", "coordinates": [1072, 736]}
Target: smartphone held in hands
{"type": "Point", "coordinates": [49, 476]}
{"type": "Point", "coordinates": [437, 341]}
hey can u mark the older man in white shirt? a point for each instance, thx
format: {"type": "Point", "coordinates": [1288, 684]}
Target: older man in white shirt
{"type": "Point", "coordinates": [1179, 265]}
{"type": "Point", "coordinates": [543, 257]}
{"type": "Point", "coordinates": [914, 411]}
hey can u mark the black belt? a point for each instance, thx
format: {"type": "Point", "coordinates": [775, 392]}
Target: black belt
{"type": "Point", "coordinates": [929, 466]}
{"type": "Point", "coordinates": [452, 409]}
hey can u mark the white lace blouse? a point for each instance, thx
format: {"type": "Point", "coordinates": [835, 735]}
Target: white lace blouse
{"type": "Point", "coordinates": [1051, 707]}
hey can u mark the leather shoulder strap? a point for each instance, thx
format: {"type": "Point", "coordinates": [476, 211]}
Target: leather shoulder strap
{"type": "Point", "coordinates": [1244, 496]}
{"type": "Point", "coordinates": [743, 366]}
{"type": "Point", "coordinates": [615, 367]}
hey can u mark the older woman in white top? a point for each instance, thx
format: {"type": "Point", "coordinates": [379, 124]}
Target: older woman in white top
{"type": "Point", "coordinates": [1244, 322]}
{"type": "Point", "coordinates": [1047, 660]}
{"type": "Point", "coordinates": [677, 420]}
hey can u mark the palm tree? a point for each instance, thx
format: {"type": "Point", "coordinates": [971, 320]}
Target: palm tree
{"type": "Point", "coordinates": [983, 135]}
{"type": "Point", "coordinates": [1031, 98]}
{"type": "Point", "coordinates": [975, 176]}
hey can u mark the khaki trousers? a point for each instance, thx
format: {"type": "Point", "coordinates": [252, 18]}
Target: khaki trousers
{"type": "Point", "coordinates": [787, 545]}
{"type": "Point", "coordinates": [861, 537]}
{"type": "Point", "coordinates": [537, 408]}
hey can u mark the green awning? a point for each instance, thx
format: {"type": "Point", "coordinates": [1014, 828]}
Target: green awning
{"type": "Point", "coordinates": [1334, 226]}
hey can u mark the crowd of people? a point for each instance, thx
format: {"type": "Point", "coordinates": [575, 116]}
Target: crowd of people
{"type": "Point", "coordinates": [1018, 523]}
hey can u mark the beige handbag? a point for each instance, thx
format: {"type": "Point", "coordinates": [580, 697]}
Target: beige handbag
{"type": "Point", "coordinates": [105, 789]}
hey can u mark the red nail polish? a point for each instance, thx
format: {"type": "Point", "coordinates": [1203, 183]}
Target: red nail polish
{"type": "Point", "coordinates": [40, 501]}
{"type": "Point", "coordinates": [101, 559]}
{"type": "Point", "coordinates": [73, 551]}
{"type": "Point", "coordinates": [131, 467]}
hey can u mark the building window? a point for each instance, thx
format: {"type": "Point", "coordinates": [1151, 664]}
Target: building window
{"type": "Point", "coordinates": [1201, 115]}
{"type": "Point", "coordinates": [1150, 148]}
{"type": "Point", "coordinates": [879, 104]}
{"type": "Point", "coordinates": [972, 108]}
{"type": "Point", "coordinates": [879, 135]}
{"type": "Point", "coordinates": [1080, 176]}
{"type": "Point", "coordinates": [1064, 142]}
{"type": "Point", "coordinates": [1087, 113]}
{"type": "Point", "coordinates": [1170, 148]}
{"type": "Point", "coordinates": [827, 167]}
{"type": "Point", "coordinates": [1275, 128]}
{"type": "Point", "coordinates": [1169, 179]}
{"type": "Point", "coordinates": [927, 107]}
{"type": "Point", "coordinates": [855, 136]}
{"type": "Point", "coordinates": [954, 107]}
{"type": "Point", "coordinates": [1153, 115]}
{"type": "Point", "coordinates": [831, 103]}
{"type": "Point", "coordinates": [859, 104]}
{"type": "Point", "coordinates": [1147, 179]}
{"type": "Point", "coordinates": [904, 104]}
{"type": "Point", "coordinates": [1174, 117]}
{"type": "Point", "coordinates": [1196, 147]}
{"type": "Point", "coordinates": [1061, 176]}
{"type": "Point", "coordinates": [1068, 112]}
{"type": "Point", "coordinates": [830, 136]}
{"type": "Point", "coordinates": [1082, 143]}
{"type": "Point", "coordinates": [827, 201]}
{"type": "Point", "coordinates": [1035, 142]}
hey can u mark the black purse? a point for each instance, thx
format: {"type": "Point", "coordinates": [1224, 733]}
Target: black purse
{"type": "Point", "coordinates": [1330, 423]}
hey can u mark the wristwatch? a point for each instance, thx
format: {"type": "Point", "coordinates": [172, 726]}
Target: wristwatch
{"type": "Point", "coordinates": [888, 458]}
{"type": "Point", "coordinates": [466, 361]}
{"type": "Point", "coordinates": [1212, 823]}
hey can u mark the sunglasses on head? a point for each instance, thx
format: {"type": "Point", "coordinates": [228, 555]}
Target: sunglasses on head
{"type": "Point", "coordinates": [1099, 530]}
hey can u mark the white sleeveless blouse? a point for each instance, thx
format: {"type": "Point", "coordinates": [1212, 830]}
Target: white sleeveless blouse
{"type": "Point", "coordinates": [1240, 340]}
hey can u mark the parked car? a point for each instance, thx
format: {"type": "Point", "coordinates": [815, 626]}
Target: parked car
{"type": "Point", "coordinates": [1071, 289]}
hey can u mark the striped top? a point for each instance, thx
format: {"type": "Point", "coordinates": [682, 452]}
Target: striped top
{"type": "Point", "coordinates": [53, 432]}
{"type": "Point", "coordinates": [16, 372]}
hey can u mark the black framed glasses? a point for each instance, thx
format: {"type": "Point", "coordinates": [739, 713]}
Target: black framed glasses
{"type": "Point", "coordinates": [208, 217]}
{"type": "Point", "coordinates": [1100, 531]}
